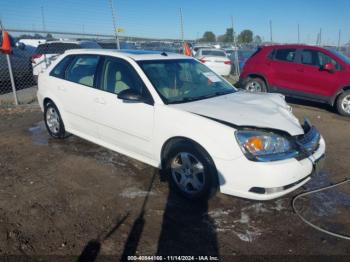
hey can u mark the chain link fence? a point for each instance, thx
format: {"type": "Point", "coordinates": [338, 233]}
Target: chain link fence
{"type": "Point", "coordinates": [69, 24]}
{"type": "Point", "coordinates": [34, 51]}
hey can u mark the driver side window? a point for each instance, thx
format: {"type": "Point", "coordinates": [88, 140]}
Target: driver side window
{"type": "Point", "coordinates": [118, 76]}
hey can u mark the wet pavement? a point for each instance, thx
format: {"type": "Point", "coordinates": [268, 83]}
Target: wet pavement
{"type": "Point", "coordinates": [71, 197]}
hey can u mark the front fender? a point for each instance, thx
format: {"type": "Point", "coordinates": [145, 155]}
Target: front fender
{"type": "Point", "coordinates": [217, 139]}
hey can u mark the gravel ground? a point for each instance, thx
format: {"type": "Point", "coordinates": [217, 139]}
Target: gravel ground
{"type": "Point", "coordinates": [70, 199]}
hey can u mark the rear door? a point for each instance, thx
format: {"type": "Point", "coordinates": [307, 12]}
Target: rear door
{"type": "Point", "coordinates": [313, 79]}
{"type": "Point", "coordinates": [77, 95]}
{"type": "Point", "coordinates": [285, 69]}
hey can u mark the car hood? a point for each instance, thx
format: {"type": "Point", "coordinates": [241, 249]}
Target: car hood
{"type": "Point", "coordinates": [247, 109]}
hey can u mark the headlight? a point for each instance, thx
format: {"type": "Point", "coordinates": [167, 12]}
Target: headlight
{"type": "Point", "coordinates": [265, 146]}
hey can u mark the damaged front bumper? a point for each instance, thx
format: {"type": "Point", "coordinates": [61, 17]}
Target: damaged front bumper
{"type": "Point", "coordinates": [268, 180]}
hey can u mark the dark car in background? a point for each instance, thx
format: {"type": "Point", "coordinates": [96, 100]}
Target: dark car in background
{"type": "Point", "coordinates": [47, 52]}
{"type": "Point", "coordinates": [301, 71]}
{"type": "Point", "coordinates": [21, 66]}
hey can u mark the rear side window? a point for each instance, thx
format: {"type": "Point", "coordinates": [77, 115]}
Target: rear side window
{"type": "Point", "coordinates": [55, 48]}
{"type": "Point", "coordinates": [213, 53]}
{"type": "Point", "coordinates": [287, 55]}
{"type": "Point", "coordinates": [60, 68]}
{"type": "Point", "coordinates": [83, 70]}
{"type": "Point", "coordinates": [309, 57]}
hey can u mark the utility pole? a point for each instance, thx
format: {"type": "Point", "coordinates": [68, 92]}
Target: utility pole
{"type": "Point", "coordinates": [339, 37]}
{"type": "Point", "coordinates": [181, 26]}
{"type": "Point", "coordinates": [271, 39]}
{"type": "Point", "coordinates": [234, 40]}
{"type": "Point", "coordinates": [298, 34]}
{"type": "Point", "coordinates": [114, 24]}
{"type": "Point", "coordinates": [320, 38]}
{"type": "Point", "coordinates": [43, 18]}
{"type": "Point", "coordinates": [9, 65]}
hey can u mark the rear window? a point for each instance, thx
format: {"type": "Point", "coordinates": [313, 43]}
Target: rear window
{"type": "Point", "coordinates": [55, 48]}
{"type": "Point", "coordinates": [89, 45]}
{"type": "Point", "coordinates": [213, 53]}
{"type": "Point", "coordinates": [287, 55]}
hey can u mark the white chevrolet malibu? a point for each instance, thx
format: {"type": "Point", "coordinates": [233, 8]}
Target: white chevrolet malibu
{"type": "Point", "coordinates": [172, 112]}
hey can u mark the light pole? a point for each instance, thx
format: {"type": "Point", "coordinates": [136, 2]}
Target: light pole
{"type": "Point", "coordinates": [114, 24]}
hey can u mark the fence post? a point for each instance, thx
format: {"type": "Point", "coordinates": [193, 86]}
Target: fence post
{"type": "Point", "coordinates": [12, 79]}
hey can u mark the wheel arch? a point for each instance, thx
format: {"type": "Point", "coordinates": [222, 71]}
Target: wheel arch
{"type": "Point", "coordinates": [58, 105]}
{"type": "Point", "coordinates": [338, 93]}
{"type": "Point", "coordinates": [170, 142]}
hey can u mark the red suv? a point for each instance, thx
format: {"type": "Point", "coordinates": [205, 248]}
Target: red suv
{"type": "Point", "coordinates": [301, 71]}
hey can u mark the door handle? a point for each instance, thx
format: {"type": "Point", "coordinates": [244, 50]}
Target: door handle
{"type": "Point", "coordinates": [300, 70]}
{"type": "Point", "coordinates": [61, 88]}
{"type": "Point", "coordinates": [100, 101]}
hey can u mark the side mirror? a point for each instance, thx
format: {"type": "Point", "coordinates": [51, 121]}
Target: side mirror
{"type": "Point", "coordinates": [130, 95]}
{"type": "Point", "coordinates": [329, 67]}
{"type": "Point", "coordinates": [20, 45]}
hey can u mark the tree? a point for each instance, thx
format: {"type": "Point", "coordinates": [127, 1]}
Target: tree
{"type": "Point", "coordinates": [227, 37]}
{"type": "Point", "coordinates": [208, 36]}
{"type": "Point", "coordinates": [257, 40]}
{"type": "Point", "coordinates": [245, 37]}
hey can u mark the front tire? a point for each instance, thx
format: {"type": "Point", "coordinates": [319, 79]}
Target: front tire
{"type": "Point", "coordinates": [53, 121]}
{"type": "Point", "coordinates": [343, 103]}
{"type": "Point", "coordinates": [191, 172]}
{"type": "Point", "coordinates": [255, 85]}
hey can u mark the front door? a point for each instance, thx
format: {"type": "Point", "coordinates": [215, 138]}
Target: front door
{"type": "Point", "coordinates": [314, 80]}
{"type": "Point", "coordinates": [126, 126]}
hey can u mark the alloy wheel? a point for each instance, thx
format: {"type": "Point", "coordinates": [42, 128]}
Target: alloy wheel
{"type": "Point", "coordinates": [254, 86]}
{"type": "Point", "coordinates": [188, 173]}
{"type": "Point", "coordinates": [53, 120]}
{"type": "Point", "coordinates": [345, 104]}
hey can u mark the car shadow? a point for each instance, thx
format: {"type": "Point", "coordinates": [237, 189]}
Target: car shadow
{"type": "Point", "coordinates": [186, 230]}
{"type": "Point", "coordinates": [316, 105]}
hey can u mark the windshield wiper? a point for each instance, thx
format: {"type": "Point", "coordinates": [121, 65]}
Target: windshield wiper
{"type": "Point", "coordinates": [189, 99]}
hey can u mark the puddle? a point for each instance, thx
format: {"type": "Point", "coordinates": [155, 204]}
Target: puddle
{"type": "Point", "coordinates": [327, 203]}
{"type": "Point", "coordinates": [135, 192]}
{"type": "Point", "coordinates": [39, 134]}
{"type": "Point", "coordinates": [76, 145]}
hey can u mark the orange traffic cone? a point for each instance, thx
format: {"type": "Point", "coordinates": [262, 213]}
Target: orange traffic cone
{"type": "Point", "coordinates": [6, 44]}
{"type": "Point", "coordinates": [187, 49]}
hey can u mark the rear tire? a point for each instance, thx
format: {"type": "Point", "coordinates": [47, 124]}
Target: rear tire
{"type": "Point", "coordinates": [53, 121]}
{"type": "Point", "coordinates": [255, 85]}
{"type": "Point", "coordinates": [343, 103]}
{"type": "Point", "coordinates": [191, 172]}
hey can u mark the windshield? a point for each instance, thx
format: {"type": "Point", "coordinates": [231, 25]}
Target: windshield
{"type": "Point", "coordinates": [184, 80]}
{"type": "Point", "coordinates": [341, 56]}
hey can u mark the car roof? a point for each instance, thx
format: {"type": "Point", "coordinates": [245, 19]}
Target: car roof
{"type": "Point", "coordinates": [294, 46]}
{"type": "Point", "coordinates": [68, 42]}
{"type": "Point", "coordinates": [133, 54]}
{"type": "Point", "coordinates": [212, 49]}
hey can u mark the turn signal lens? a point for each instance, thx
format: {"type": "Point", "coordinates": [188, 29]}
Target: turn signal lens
{"type": "Point", "coordinates": [254, 144]}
